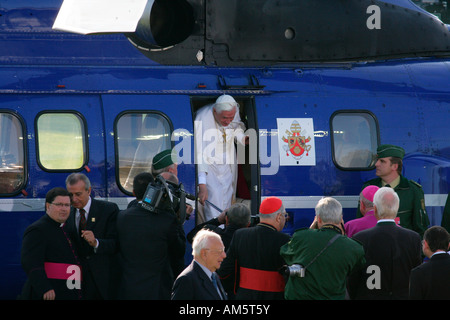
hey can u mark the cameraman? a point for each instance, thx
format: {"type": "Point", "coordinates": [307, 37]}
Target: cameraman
{"type": "Point", "coordinates": [325, 277]}
{"type": "Point", "coordinates": [165, 164]}
{"type": "Point", "coordinates": [152, 247]}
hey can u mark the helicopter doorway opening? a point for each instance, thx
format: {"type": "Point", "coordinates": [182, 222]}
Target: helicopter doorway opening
{"type": "Point", "coordinates": [247, 187]}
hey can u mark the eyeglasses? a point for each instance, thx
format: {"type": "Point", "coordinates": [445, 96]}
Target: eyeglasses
{"type": "Point", "coordinates": [220, 251]}
{"type": "Point", "coordinates": [60, 205]}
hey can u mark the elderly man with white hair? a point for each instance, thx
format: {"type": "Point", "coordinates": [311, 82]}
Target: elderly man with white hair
{"type": "Point", "coordinates": [391, 253]}
{"type": "Point", "coordinates": [199, 280]}
{"type": "Point", "coordinates": [217, 127]}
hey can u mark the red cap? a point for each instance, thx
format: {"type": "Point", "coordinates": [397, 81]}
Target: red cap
{"type": "Point", "coordinates": [270, 205]}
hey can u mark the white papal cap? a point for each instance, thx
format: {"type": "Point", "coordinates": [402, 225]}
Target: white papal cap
{"type": "Point", "coordinates": [225, 103]}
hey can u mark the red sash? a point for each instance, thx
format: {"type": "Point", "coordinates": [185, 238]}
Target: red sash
{"type": "Point", "coordinates": [60, 271]}
{"type": "Point", "coordinates": [260, 280]}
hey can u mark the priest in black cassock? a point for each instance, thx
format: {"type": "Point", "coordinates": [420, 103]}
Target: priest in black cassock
{"type": "Point", "coordinates": [47, 255]}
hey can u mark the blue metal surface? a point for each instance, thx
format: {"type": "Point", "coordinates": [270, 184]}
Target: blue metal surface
{"type": "Point", "coordinates": [101, 76]}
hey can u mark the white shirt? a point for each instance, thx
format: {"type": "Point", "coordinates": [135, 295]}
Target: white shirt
{"type": "Point", "coordinates": [437, 252]}
{"type": "Point", "coordinates": [86, 208]}
{"type": "Point", "coordinates": [386, 220]}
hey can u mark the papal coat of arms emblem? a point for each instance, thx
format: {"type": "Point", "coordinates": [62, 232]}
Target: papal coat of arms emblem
{"type": "Point", "coordinates": [296, 142]}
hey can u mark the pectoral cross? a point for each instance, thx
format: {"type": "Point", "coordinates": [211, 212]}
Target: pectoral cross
{"type": "Point", "coordinates": [224, 135]}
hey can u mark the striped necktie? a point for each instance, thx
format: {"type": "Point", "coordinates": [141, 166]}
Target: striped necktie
{"type": "Point", "coordinates": [82, 225]}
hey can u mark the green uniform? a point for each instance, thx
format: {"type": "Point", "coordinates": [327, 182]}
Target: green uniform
{"type": "Point", "coordinates": [326, 277]}
{"type": "Point", "coordinates": [412, 212]}
{"type": "Point", "coordinates": [446, 215]}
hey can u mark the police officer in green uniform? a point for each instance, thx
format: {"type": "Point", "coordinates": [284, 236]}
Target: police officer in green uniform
{"type": "Point", "coordinates": [446, 215]}
{"type": "Point", "coordinates": [412, 213]}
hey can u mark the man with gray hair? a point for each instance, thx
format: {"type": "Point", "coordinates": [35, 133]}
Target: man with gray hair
{"type": "Point", "coordinates": [326, 255]}
{"type": "Point", "coordinates": [225, 224]}
{"type": "Point", "coordinates": [92, 225]}
{"type": "Point", "coordinates": [199, 280]}
{"type": "Point", "coordinates": [391, 253]}
{"type": "Point", "coordinates": [217, 127]}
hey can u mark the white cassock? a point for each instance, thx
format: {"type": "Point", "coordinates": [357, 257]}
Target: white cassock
{"type": "Point", "coordinates": [216, 158]}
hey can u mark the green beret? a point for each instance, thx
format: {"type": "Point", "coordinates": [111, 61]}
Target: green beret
{"type": "Point", "coordinates": [389, 150]}
{"type": "Point", "coordinates": [164, 159]}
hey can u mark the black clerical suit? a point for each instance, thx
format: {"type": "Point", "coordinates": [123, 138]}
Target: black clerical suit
{"type": "Point", "coordinates": [152, 247]}
{"type": "Point", "coordinates": [431, 280]}
{"type": "Point", "coordinates": [396, 251]}
{"type": "Point", "coordinates": [98, 264]}
{"type": "Point", "coordinates": [254, 257]}
{"type": "Point", "coordinates": [46, 241]}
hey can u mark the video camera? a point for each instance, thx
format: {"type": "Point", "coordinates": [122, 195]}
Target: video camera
{"type": "Point", "coordinates": [163, 196]}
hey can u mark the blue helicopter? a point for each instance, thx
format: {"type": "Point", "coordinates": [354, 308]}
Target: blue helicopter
{"type": "Point", "coordinates": [100, 87]}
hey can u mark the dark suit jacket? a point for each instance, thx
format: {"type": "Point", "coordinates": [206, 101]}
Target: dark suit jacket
{"type": "Point", "coordinates": [152, 247]}
{"type": "Point", "coordinates": [431, 280]}
{"type": "Point", "coordinates": [194, 284]}
{"type": "Point", "coordinates": [396, 251]}
{"type": "Point", "coordinates": [101, 261]}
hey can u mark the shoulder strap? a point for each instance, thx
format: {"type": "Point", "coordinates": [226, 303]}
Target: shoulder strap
{"type": "Point", "coordinates": [328, 244]}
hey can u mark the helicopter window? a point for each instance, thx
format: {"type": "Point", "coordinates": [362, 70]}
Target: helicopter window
{"type": "Point", "coordinates": [354, 139]}
{"type": "Point", "coordinates": [139, 137]}
{"type": "Point", "coordinates": [61, 141]}
{"type": "Point", "coordinates": [12, 158]}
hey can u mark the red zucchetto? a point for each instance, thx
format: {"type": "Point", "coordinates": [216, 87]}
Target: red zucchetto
{"type": "Point", "coordinates": [270, 205]}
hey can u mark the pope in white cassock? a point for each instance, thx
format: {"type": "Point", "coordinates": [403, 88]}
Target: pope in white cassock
{"type": "Point", "coordinates": [217, 127]}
